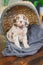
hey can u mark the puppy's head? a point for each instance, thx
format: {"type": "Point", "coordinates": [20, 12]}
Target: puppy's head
{"type": "Point", "coordinates": [21, 20]}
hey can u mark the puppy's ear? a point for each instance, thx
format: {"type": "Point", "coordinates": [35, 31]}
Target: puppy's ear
{"type": "Point", "coordinates": [29, 27]}
{"type": "Point", "coordinates": [14, 20]}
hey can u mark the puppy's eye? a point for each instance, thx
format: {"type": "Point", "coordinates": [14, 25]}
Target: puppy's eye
{"type": "Point", "coordinates": [17, 17]}
{"type": "Point", "coordinates": [24, 18]}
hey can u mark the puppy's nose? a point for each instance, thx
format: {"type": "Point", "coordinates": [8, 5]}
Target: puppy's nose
{"type": "Point", "coordinates": [20, 21]}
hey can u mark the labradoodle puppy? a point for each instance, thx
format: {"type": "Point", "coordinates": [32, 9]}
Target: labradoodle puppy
{"type": "Point", "coordinates": [18, 32]}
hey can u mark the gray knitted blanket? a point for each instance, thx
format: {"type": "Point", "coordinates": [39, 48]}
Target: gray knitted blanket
{"type": "Point", "coordinates": [35, 38]}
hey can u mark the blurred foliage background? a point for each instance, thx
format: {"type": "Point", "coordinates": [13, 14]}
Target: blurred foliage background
{"type": "Point", "coordinates": [37, 3]}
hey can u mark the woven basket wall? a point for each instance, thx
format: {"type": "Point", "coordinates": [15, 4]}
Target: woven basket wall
{"type": "Point", "coordinates": [7, 19]}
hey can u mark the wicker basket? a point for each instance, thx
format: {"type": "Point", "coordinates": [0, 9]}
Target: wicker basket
{"type": "Point", "coordinates": [24, 7]}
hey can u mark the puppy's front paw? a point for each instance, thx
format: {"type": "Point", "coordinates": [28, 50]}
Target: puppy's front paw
{"type": "Point", "coordinates": [26, 46]}
{"type": "Point", "coordinates": [20, 47]}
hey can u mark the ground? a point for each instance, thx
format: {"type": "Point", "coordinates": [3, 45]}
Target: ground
{"type": "Point", "coordinates": [36, 59]}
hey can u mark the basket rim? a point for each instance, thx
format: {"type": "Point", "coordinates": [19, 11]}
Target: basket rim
{"type": "Point", "coordinates": [23, 3]}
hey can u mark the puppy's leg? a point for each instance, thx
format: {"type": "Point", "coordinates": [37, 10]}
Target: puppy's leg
{"type": "Point", "coordinates": [25, 42]}
{"type": "Point", "coordinates": [16, 41]}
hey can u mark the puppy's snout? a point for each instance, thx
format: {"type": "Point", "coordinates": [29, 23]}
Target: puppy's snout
{"type": "Point", "coordinates": [20, 21]}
